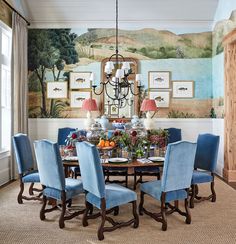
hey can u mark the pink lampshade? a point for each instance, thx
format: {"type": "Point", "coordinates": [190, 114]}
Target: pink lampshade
{"type": "Point", "coordinates": [90, 104]}
{"type": "Point", "coordinates": [148, 105]}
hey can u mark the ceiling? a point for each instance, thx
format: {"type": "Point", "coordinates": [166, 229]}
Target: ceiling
{"type": "Point", "coordinates": [133, 13]}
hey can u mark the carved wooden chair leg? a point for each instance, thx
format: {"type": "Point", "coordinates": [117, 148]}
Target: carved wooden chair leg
{"type": "Point", "coordinates": [42, 211]}
{"type": "Point", "coordinates": [196, 190]}
{"type": "Point", "coordinates": [103, 217]}
{"type": "Point", "coordinates": [141, 203]}
{"type": "Point", "coordinates": [63, 210]}
{"type": "Point", "coordinates": [116, 211]}
{"type": "Point", "coordinates": [31, 192]}
{"type": "Point", "coordinates": [213, 199]}
{"type": "Point", "coordinates": [188, 217]}
{"type": "Point", "coordinates": [126, 179]}
{"type": "Point", "coordinates": [163, 213]}
{"type": "Point", "coordinates": [19, 197]}
{"type": "Point", "coordinates": [193, 187]}
{"type": "Point", "coordinates": [135, 180]}
{"type": "Point", "coordinates": [85, 215]}
{"type": "Point", "coordinates": [136, 218]}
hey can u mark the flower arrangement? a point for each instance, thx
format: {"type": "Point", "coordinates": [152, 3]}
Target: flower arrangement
{"type": "Point", "coordinates": [130, 141]}
{"type": "Point", "coordinates": [158, 137]}
{"type": "Point", "coordinates": [73, 137]}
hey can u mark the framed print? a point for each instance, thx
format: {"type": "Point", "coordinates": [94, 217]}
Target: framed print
{"type": "Point", "coordinates": [77, 98]}
{"type": "Point", "coordinates": [158, 79]}
{"type": "Point", "coordinates": [80, 80]}
{"type": "Point", "coordinates": [114, 110]}
{"type": "Point", "coordinates": [183, 89]}
{"type": "Point", "coordinates": [57, 89]}
{"type": "Point", "coordinates": [162, 98]}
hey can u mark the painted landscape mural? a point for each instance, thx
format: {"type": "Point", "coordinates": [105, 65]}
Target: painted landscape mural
{"type": "Point", "coordinates": [54, 53]}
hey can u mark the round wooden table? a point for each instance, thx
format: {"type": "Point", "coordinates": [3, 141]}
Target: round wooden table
{"type": "Point", "coordinates": [130, 165]}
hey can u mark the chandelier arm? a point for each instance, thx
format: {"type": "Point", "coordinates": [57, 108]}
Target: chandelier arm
{"type": "Point", "coordinates": [98, 93]}
{"type": "Point", "coordinates": [139, 90]}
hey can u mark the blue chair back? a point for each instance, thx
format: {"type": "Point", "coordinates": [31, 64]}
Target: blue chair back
{"type": "Point", "coordinates": [62, 135]}
{"type": "Point", "coordinates": [178, 166]}
{"type": "Point", "coordinates": [207, 152]}
{"type": "Point", "coordinates": [91, 168]}
{"type": "Point", "coordinates": [23, 153]}
{"type": "Point", "coordinates": [174, 135]}
{"type": "Point", "coordinates": [49, 163]}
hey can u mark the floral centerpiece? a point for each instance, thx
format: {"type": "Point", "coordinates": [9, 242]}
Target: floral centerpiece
{"type": "Point", "coordinates": [158, 137]}
{"type": "Point", "coordinates": [72, 138]}
{"type": "Point", "coordinates": [131, 142]}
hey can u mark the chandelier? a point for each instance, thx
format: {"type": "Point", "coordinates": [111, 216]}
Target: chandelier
{"type": "Point", "coordinates": [117, 71]}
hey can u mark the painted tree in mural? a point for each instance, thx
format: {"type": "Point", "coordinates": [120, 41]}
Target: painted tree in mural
{"type": "Point", "coordinates": [50, 50]}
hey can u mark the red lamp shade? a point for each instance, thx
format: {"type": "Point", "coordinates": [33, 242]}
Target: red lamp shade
{"type": "Point", "coordinates": [89, 104]}
{"type": "Point", "coordinates": [148, 105]}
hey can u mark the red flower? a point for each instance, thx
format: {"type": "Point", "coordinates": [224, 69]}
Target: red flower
{"type": "Point", "coordinates": [134, 133]}
{"type": "Point", "coordinates": [73, 136]}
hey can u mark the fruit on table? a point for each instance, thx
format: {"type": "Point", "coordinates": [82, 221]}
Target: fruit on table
{"type": "Point", "coordinates": [105, 143]}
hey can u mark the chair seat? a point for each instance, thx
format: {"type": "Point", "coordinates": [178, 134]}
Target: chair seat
{"type": "Point", "coordinates": [154, 169]}
{"type": "Point", "coordinates": [115, 195]}
{"type": "Point", "coordinates": [73, 188]}
{"type": "Point", "coordinates": [153, 188]}
{"type": "Point", "coordinates": [201, 177]}
{"type": "Point", "coordinates": [32, 176]}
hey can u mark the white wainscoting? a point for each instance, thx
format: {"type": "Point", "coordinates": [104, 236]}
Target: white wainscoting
{"type": "Point", "coordinates": [47, 128]}
{"type": "Point", "coordinates": [5, 172]}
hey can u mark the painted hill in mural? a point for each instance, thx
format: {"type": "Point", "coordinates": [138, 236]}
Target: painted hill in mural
{"type": "Point", "coordinates": [222, 28]}
{"type": "Point", "coordinates": [146, 44]}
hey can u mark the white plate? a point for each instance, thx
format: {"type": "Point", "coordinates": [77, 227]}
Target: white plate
{"type": "Point", "coordinates": [118, 160]}
{"type": "Point", "coordinates": [71, 158]}
{"type": "Point", "coordinates": [157, 159]}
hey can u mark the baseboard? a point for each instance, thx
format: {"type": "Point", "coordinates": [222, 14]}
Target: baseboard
{"type": "Point", "coordinates": [229, 175]}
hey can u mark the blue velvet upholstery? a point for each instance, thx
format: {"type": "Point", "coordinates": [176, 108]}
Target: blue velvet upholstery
{"type": "Point", "coordinates": [115, 194]}
{"type": "Point", "coordinates": [153, 188]}
{"type": "Point", "coordinates": [206, 158]}
{"type": "Point", "coordinates": [32, 176]}
{"type": "Point", "coordinates": [62, 135]}
{"type": "Point", "coordinates": [174, 135]}
{"type": "Point", "coordinates": [201, 177]}
{"type": "Point", "coordinates": [207, 152]}
{"type": "Point", "coordinates": [51, 171]}
{"type": "Point", "coordinates": [177, 172]}
{"type": "Point", "coordinates": [93, 179]}
{"type": "Point", "coordinates": [23, 153]}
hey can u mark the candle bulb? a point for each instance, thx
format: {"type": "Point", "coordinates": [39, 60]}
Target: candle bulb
{"type": "Point", "coordinates": [92, 78]}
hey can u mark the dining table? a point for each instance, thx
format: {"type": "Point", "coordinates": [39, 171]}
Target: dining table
{"type": "Point", "coordinates": [130, 164]}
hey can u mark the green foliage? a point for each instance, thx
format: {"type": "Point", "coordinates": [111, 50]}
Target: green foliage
{"type": "Point", "coordinates": [212, 113]}
{"type": "Point", "coordinates": [33, 83]}
{"type": "Point", "coordinates": [219, 48]}
{"type": "Point", "coordinates": [178, 114]}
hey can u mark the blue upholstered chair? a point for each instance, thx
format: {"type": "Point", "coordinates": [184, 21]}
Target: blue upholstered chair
{"type": "Point", "coordinates": [62, 135]}
{"type": "Point", "coordinates": [25, 163]}
{"type": "Point", "coordinates": [52, 177]}
{"type": "Point", "coordinates": [174, 135]}
{"type": "Point", "coordinates": [106, 198]}
{"type": "Point", "coordinates": [175, 182]}
{"type": "Point", "coordinates": [204, 165]}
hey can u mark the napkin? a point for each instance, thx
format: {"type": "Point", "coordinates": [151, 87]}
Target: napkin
{"type": "Point", "coordinates": [144, 161]}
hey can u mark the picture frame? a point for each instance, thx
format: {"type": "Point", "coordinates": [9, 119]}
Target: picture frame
{"type": "Point", "coordinates": [80, 80]}
{"type": "Point", "coordinates": [159, 79]}
{"type": "Point", "coordinates": [162, 98]}
{"type": "Point", "coordinates": [57, 89]}
{"type": "Point", "coordinates": [77, 98]}
{"type": "Point", "coordinates": [114, 110]}
{"type": "Point", "coordinates": [183, 89]}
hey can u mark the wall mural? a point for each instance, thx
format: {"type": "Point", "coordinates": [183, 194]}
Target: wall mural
{"type": "Point", "coordinates": [56, 54]}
